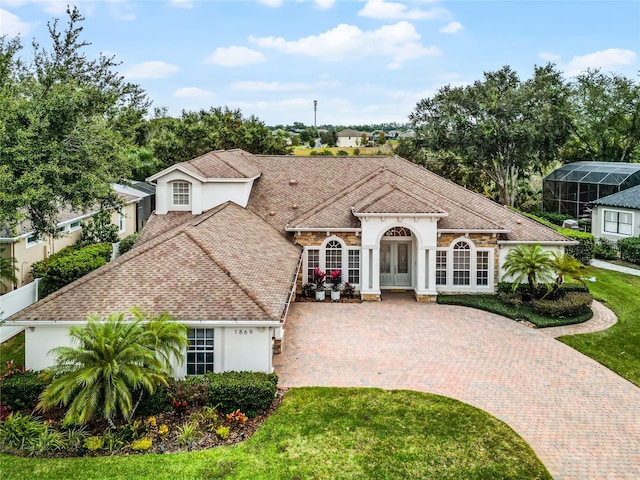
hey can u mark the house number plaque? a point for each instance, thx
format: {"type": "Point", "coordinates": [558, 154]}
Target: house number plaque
{"type": "Point", "coordinates": [244, 332]}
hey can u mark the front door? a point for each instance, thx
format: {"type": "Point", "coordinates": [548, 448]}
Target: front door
{"type": "Point", "coordinates": [395, 264]}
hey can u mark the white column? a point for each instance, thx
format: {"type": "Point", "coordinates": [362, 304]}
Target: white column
{"type": "Point", "coordinates": [375, 270]}
{"type": "Point", "coordinates": [420, 270]}
{"type": "Point", "coordinates": [432, 270]}
{"type": "Point", "coordinates": [364, 259]}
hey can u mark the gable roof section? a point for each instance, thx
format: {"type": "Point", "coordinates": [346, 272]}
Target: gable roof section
{"type": "Point", "coordinates": [217, 164]}
{"type": "Point", "coordinates": [349, 132]}
{"type": "Point", "coordinates": [225, 264]}
{"type": "Point", "coordinates": [629, 198]}
{"type": "Point", "coordinates": [394, 199]}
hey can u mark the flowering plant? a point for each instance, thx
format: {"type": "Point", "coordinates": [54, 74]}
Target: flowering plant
{"type": "Point", "coordinates": [318, 278]}
{"type": "Point", "coordinates": [335, 277]}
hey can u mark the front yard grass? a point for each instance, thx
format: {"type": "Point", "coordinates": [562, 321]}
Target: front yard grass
{"type": "Point", "coordinates": [618, 347]}
{"type": "Point", "coordinates": [493, 304]}
{"type": "Point", "coordinates": [326, 433]}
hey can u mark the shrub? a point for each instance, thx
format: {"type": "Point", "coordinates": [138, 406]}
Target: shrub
{"type": "Point", "coordinates": [356, 151]}
{"type": "Point", "coordinates": [20, 391]}
{"type": "Point", "coordinates": [127, 243]}
{"type": "Point", "coordinates": [142, 444]}
{"type": "Point", "coordinates": [94, 443]}
{"type": "Point", "coordinates": [18, 431]}
{"type": "Point", "coordinates": [47, 441]}
{"type": "Point", "coordinates": [187, 433]}
{"type": "Point", "coordinates": [68, 265]}
{"type": "Point", "coordinates": [76, 437]}
{"type": "Point", "coordinates": [313, 153]}
{"type": "Point", "coordinates": [342, 153]}
{"type": "Point", "coordinates": [249, 392]}
{"type": "Point", "coordinates": [193, 390]}
{"type": "Point", "coordinates": [554, 217]}
{"type": "Point", "coordinates": [606, 249]}
{"type": "Point", "coordinates": [99, 229]}
{"type": "Point", "coordinates": [222, 432]}
{"type": "Point", "coordinates": [630, 249]}
{"type": "Point", "coordinates": [152, 404]}
{"type": "Point", "coordinates": [112, 441]}
{"type": "Point", "coordinates": [571, 304]}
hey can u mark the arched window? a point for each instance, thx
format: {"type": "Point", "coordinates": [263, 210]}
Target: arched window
{"type": "Point", "coordinates": [461, 263]}
{"type": "Point", "coordinates": [398, 232]}
{"type": "Point", "coordinates": [333, 256]}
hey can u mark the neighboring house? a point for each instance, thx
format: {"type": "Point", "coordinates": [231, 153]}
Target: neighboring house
{"type": "Point", "coordinates": [349, 138]}
{"type": "Point", "coordinates": [235, 236]}
{"type": "Point", "coordinates": [617, 216]}
{"type": "Point", "coordinates": [27, 247]}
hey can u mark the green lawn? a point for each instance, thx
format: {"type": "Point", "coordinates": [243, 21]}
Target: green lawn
{"type": "Point", "coordinates": [12, 349]}
{"type": "Point", "coordinates": [327, 433]}
{"type": "Point", "coordinates": [619, 346]}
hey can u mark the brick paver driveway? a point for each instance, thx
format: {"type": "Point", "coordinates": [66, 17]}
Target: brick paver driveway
{"type": "Point", "coordinates": [581, 419]}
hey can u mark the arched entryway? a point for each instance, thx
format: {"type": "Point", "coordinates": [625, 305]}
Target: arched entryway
{"type": "Point", "coordinates": [396, 258]}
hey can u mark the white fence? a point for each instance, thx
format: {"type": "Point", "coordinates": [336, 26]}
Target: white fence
{"type": "Point", "coordinates": [13, 302]}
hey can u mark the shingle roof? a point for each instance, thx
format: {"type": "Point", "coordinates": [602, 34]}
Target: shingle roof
{"type": "Point", "coordinates": [225, 264]}
{"type": "Point", "coordinates": [223, 164]}
{"type": "Point", "coordinates": [394, 199]}
{"type": "Point", "coordinates": [349, 132]}
{"type": "Point", "coordinates": [629, 198]}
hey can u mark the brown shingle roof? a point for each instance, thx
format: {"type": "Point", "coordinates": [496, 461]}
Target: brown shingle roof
{"type": "Point", "coordinates": [225, 264]}
{"type": "Point", "coordinates": [393, 199]}
{"type": "Point", "coordinates": [223, 164]}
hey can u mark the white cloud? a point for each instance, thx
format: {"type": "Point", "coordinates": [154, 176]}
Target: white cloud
{"type": "Point", "coordinates": [261, 86]}
{"type": "Point", "coordinates": [453, 27]}
{"type": "Point", "coordinates": [235, 56]}
{"type": "Point", "coordinates": [271, 3]}
{"type": "Point", "coordinates": [325, 4]}
{"type": "Point", "coordinates": [383, 10]}
{"type": "Point", "coordinates": [604, 59]}
{"type": "Point", "coordinates": [121, 10]}
{"type": "Point", "coordinates": [12, 26]}
{"type": "Point", "coordinates": [182, 3]}
{"type": "Point", "coordinates": [151, 69]}
{"type": "Point", "coordinates": [549, 57]}
{"type": "Point", "coordinates": [192, 92]}
{"type": "Point", "coordinates": [400, 42]}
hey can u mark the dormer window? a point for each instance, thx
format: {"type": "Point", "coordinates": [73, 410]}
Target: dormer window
{"type": "Point", "coordinates": [181, 194]}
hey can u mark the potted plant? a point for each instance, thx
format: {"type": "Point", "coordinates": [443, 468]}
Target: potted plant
{"type": "Point", "coordinates": [318, 281]}
{"type": "Point", "coordinates": [335, 277]}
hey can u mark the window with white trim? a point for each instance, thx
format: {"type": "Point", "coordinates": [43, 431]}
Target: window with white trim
{"type": "Point", "coordinates": [181, 193]}
{"type": "Point", "coordinates": [482, 268]}
{"type": "Point", "coordinates": [200, 351]}
{"type": "Point", "coordinates": [353, 275]}
{"type": "Point", "coordinates": [461, 264]}
{"type": "Point", "coordinates": [618, 222]}
{"type": "Point", "coordinates": [313, 262]}
{"type": "Point", "coordinates": [333, 256]}
{"type": "Point", "coordinates": [121, 221]}
{"type": "Point", "coordinates": [441, 267]}
{"type": "Point", "coordinates": [33, 240]}
{"type": "Point", "coordinates": [75, 225]}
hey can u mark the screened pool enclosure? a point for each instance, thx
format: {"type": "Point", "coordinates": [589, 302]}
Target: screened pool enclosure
{"type": "Point", "coordinates": [571, 187]}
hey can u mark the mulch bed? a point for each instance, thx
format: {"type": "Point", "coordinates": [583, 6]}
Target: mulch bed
{"type": "Point", "coordinates": [301, 299]}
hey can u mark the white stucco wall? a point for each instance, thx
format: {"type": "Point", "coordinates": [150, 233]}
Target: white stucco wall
{"type": "Point", "coordinates": [349, 141]}
{"type": "Point", "coordinates": [597, 222]}
{"type": "Point", "coordinates": [246, 348]}
{"type": "Point", "coordinates": [40, 340]}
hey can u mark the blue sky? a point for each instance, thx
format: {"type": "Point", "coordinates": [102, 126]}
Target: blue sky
{"type": "Point", "coordinates": [363, 61]}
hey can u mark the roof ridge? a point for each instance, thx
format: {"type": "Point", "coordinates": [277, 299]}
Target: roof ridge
{"type": "Point", "coordinates": [395, 187]}
{"type": "Point", "coordinates": [344, 191]}
{"type": "Point", "coordinates": [247, 290]}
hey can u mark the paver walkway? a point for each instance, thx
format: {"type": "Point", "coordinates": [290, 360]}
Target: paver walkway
{"type": "Point", "coordinates": [581, 419]}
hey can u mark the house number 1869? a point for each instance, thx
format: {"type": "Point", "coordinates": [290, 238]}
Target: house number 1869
{"type": "Point", "coordinates": [244, 332]}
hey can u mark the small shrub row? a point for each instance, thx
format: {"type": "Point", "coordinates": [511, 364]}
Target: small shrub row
{"type": "Point", "coordinates": [630, 249]}
{"type": "Point", "coordinates": [606, 250]}
{"type": "Point", "coordinates": [249, 392]}
{"type": "Point", "coordinates": [20, 391]}
{"type": "Point", "coordinates": [68, 265]}
{"type": "Point", "coordinates": [571, 304]}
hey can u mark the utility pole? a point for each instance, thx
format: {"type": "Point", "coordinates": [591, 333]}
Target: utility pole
{"type": "Point", "coordinates": [315, 109]}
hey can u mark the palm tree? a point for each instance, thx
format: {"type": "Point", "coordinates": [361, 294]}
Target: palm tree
{"type": "Point", "coordinates": [530, 262]}
{"type": "Point", "coordinates": [8, 270]}
{"type": "Point", "coordinates": [113, 358]}
{"type": "Point", "coordinates": [566, 266]}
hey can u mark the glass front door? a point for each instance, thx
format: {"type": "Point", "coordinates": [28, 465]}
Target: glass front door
{"type": "Point", "coordinates": [395, 264]}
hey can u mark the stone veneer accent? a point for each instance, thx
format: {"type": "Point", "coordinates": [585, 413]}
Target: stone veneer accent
{"type": "Point", "coordinates": [370, 297]}
{"type": "Point", "coordinates": [308, 239]}
{"type": "Point", "coordinates": [422, 298]}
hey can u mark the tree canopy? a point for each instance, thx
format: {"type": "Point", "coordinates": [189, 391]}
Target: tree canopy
{"type": "Point", "coordinates": [65, 120]}
{"type": "Point", "coordinates": [502, 125]}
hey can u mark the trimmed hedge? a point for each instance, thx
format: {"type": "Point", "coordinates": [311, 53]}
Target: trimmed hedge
{"type": "Point", "coordinates": [571, 304]}
{"type": "Point", "coordinates": [630, 249]}
{"type": "Point", "coordinates": [606, 249]}
{"type": "Point", "coordinates": [250, 392]}
{"type": "Point", "coordinates": [20, 391]}
{"type": "Point", "coordinates": [68, 265]}
{"type": "Point", "coordinates": [127, 243]}
{"type": "Point", "coordinates": [155, 403]}
{"type": "Point", "coordinates": [583, 252]}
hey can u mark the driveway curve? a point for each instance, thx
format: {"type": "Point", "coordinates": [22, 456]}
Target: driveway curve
{"type": "Point", "coordinates": [581, 419]}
